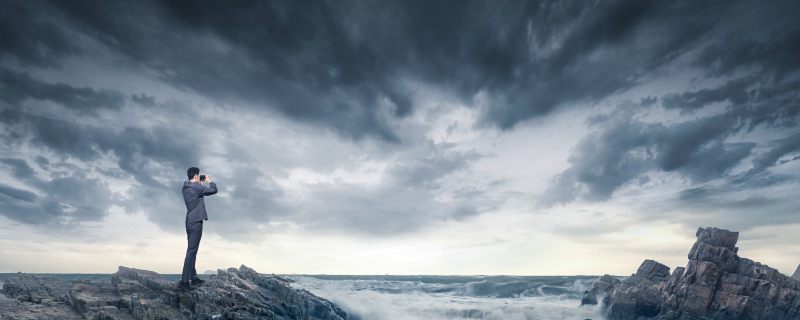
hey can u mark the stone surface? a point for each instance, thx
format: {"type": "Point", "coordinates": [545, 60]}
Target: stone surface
{"type": "Point", "coordinates": [601, 287]}
{"type": "Point", "coordinates": [133, 293]}
{"type": "Point", "coordinates": [715, 284]}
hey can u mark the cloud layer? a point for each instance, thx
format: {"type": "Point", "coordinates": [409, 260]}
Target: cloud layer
{"type": "Point", "coordinates": [390, 119]}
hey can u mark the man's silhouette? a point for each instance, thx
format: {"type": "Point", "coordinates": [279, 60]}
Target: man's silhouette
{"type": "Point", "coordinates": [193, 193]}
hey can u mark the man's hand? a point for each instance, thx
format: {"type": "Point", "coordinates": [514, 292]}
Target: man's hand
{"type": "Point", "coordinates": [207, 191]}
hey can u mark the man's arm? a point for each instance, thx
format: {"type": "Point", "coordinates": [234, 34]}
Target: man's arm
{"type": "Point", "coordinates": [207, 191]}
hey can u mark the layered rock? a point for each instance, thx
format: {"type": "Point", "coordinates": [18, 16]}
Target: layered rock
{"type": "Point", "coordinates": [715, 284]}
{"type": "Point", "coordinates": [133, 293]}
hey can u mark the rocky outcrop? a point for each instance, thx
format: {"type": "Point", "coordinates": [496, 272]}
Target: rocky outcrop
{"type": "Point", "coordinates": [715, 284]}
{"type": "Point", "coordinates": [133, 293]}
{"type": "Point", "coordinates": [602, 287]}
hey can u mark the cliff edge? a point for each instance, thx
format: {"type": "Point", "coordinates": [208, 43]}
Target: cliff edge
{"type": "Point", "coordinates": [133, 293]}
{"type": "Point", "coordinates": [715, 284]}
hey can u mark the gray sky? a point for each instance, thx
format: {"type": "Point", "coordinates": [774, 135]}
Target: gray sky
{"type": "Point", "coordinates": [401, 137]}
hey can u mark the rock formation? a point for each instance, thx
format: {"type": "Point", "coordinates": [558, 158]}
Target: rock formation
{"type": "Point", "coordinates": [601, 286]}
{"type": "Point", "coordinates": [716, 284]}
{"type": "Point", "coordinates": [140, 294]}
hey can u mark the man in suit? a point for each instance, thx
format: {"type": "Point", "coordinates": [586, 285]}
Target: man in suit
{"type": "Point", "coordinates": [193, 192]}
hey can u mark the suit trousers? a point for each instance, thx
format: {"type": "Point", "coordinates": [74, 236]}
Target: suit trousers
{"type": "Point", "coordinates": [194, 230]}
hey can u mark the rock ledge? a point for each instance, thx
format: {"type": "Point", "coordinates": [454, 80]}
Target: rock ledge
{"type": "Point", "coordinates": [133, 293]}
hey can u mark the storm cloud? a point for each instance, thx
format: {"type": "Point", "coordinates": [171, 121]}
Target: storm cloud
{"type": "Point", "coordinates": [751, 113]}
{"type": "Point", "coordinates": [331, 63]}
{"type": "Point", "coordinates": [318, 113]}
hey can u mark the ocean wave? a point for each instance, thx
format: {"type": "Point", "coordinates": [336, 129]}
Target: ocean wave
{"type": "Point", "coordinates": [437, 297]}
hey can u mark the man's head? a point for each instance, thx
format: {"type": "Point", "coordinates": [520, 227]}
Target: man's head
{"type": "Point", "coordinates": [193, 173]}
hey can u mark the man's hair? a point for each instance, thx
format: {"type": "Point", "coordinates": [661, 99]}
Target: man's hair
{"type": "Point", "coordinates": [193, 171]}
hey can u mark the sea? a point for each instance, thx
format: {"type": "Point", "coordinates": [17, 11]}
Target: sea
{"type": "Point", "coordinates": [407, 297]}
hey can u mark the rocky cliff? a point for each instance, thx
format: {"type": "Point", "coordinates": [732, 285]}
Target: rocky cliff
{"type": "Point", "coordinates": [132, 293]}
{"type": "Point", "coordinates": [715, 284]}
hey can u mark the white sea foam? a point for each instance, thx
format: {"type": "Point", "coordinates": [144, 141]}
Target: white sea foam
{"type": "Point", "coordinates": [384, 299]}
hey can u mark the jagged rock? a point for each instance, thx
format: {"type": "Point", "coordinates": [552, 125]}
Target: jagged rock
{"type": "Point", "coordinates": [133, 293]}
{"type": "Point", "coordinates": [796, 274]}
{"type": "Point", "coordinates": [602, 287]}
{"type": "Point", "coordinates": [639, 294]}
{"type": "Point", "coordinates": [715, 284]}
{"type": "Point", "coordinates": [653, 270]}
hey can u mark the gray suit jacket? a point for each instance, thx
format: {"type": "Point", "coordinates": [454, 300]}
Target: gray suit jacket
{"type": "Point", "coordinates": [193, 193]}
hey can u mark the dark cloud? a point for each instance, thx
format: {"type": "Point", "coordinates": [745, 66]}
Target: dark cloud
{"type": "Point", "coordinates": [680, 144]}
{"type": "Point", "coordinates": [17, 194]}
{"type": "Point", "coordinates": [335, 63]}
{"type": "Point", "coordinates": [135, 147]}
{"type": "Point", "coordinates": [144, 100]}
{"type": "Point", "coordinates": [33, 35]}
{"type": "Point", "coordinates": [62, 201]}
{"type": "Point", "coordinates": [354, 68]}
{"type": "Point", "coordinates": [715, 160]}
{"type": "Point", "coordinates": [734, 92]}
{"type": "Point", "coordinates": [753, 54]}
{"type": "Point", "coordinates": [16, 87]}
{"type": "Point", "coordinates": [755, 35]}
{"type": "Point", "coordinates": [612, 47]}
{"type": "Point", "coordinates": [404, 201]}
{"type": "Point", "coordinates": [737, 206]}
{"type": "Point", "coordinates": [755, 99]}
{"type": "Point", "coordinates": [603, 162]}
{"type": "Point", "coordinates": [624, 148]}
{"type": "Point", "coordinates": [778, 149]}
{"type": "Point", "coordinates": [19, 168]}
{"type": "Point", "coordinates": [147, 157]}
{"type": "Point", "coordinates": [42, 161]}
{"type": "Point", "coordinates": [69, 195]}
